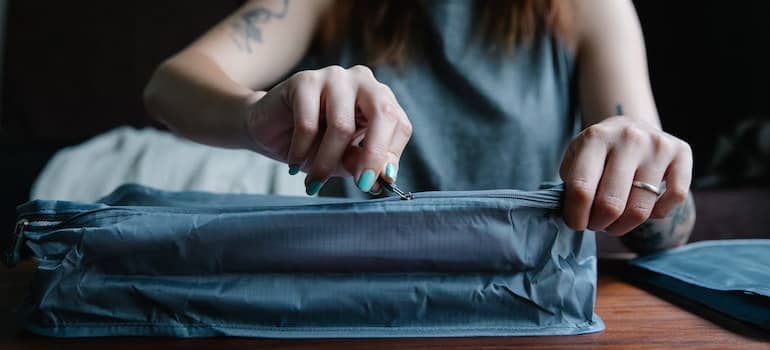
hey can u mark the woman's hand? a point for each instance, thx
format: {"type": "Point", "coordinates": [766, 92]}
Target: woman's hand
{"type": "Point", "coordinates": [316, 119]}
{"type": "Point", "coordinates": [602, 162]}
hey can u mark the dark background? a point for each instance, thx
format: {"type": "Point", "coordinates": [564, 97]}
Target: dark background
{"type": "Point", "coordinates": [72, 69]}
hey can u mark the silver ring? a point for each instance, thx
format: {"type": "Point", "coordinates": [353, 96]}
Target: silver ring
{"type": "Point", "coordinates": [646, 186]}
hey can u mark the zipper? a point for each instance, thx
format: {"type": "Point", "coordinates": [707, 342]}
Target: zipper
{"type": "Point", "coordinates": [511, 194]}
{"type": "Point", "coordinates": [27, 222]}
{"type": "Point", "coordinates": [548, 199]}
{"type": "Point", "coordinates": [12, 255]}
{"type": "Point", "coordinates": [35, 221]}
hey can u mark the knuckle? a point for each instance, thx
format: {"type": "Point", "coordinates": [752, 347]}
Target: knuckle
{"type": "Point", "coordinates": [306, 127]}
{"type": "Point", "coordinates": [405, 128]}
{"type": "Point", "coordinates": [639, 212]}
{"type": "Point", "coordinates": [685, 147]}
{"type": "Point", "coordinates": [335, 70]}
{"type": "Point", "coordinates": [388, 111]}
{"type": "Point", "coordinates": [660, 143]}
{"type": "Point", "coordinates": [385, 88]}
{"type": "Point", "coordinates": [343, 126]}
{"type": "Point", "coordinates": [677, 194]}
{"type": "Point", "coordinates": [597, 132]}
{"type": "Point", "coordinates": [305, 77]}
{"type": "Point", "coordinates": [633, 135]}
{"type": "Point", "coordinates": [362, 70]}
{"type": "Point", "coordinates": [610, 206]}
{"type": "Point", "coordinates": [581, 192]}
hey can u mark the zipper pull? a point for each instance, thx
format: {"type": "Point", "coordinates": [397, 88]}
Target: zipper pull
{"type": "Point", "coordinates": [12, 254]}
{"type": "Point", "coordinates": [394, 189]}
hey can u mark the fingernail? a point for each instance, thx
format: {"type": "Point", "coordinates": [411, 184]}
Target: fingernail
{"type": "Point", "coordinates": [293, 169]}
{"type": "Point", "coordinates": [313, 187]}
{"type": "Point", "coordinates": [376, 193]}
{"type": "Point", "coordinates": [391, 172]}
{"type": "Point", "coordinates": [366, 180]}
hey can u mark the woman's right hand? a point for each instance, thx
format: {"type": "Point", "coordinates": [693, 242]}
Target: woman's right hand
{"type": "Point", "coordinates": [315, 120]}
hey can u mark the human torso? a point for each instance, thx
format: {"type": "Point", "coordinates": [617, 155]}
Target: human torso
{"type": "Point", "coordinates": [480, 120]}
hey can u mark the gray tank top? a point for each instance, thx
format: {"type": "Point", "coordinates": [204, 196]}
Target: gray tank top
{"type": "Point", "coordinates": [481, 121]}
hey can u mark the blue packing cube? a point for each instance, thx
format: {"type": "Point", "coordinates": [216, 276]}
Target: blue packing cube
{"type": "Point", "coordinates": [145, 262]}
{"type": "Point", "coordinates": [730, 277]}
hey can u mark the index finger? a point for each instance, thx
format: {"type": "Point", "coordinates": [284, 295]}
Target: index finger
{"type": "Point", "coordinates": [382, 119]}
{"type": "Point", "coordinates": [581, 171]}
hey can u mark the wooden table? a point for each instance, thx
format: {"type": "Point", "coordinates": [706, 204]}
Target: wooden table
{"type": "Point", "coordinates": [635, 319]}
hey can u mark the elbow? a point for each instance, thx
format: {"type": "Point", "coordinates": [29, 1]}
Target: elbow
{"type": "Point", "coordinates": [150, 99]}
{"type": "Point", "coordinates": [155, 94]}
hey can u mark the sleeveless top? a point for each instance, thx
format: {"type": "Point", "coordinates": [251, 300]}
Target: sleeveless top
{"type": "Point", "coordinates": [480, 120]}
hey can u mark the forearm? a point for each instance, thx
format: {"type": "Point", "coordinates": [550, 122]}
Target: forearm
{"type": "Point", "coordinates": [196, 99]}
{"type": "Point", "coordinates": [206, 91]}
{"type": "Point", "coordinates": [658, 234]}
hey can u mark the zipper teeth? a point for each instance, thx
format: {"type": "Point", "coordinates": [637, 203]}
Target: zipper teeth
{"type": "Point", "coordinates": [51, 217]}
{"type": "Point", "coordinates": [61, 217]}
{"type": "Point", "coordinates": [538, 198]}
{"type": "Point", "coordinates": [44, 216]}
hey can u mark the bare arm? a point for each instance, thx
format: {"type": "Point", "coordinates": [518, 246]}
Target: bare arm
{"type": "Point", "coordinates": [669, 232]}
{"type": "Point", "coordinates": [612, 62]}
{"type": "Point", "coordinates": [207, 91]}
{"type": "Point", "coordinates": [612, 152]}
{"type": "Point", "coordinates": [211, 92]}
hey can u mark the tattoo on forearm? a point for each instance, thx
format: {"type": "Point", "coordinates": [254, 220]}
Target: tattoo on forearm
{"type": "Point", "coordinates": [247, 29]}
{"type": "Point", "coordinates": [658, 234]}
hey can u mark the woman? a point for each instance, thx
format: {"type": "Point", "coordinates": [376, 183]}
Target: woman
{"type": "Point", "coordinates": [448, 95]}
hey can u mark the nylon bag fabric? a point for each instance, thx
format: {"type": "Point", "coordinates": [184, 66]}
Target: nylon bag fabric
{"type": "Point", "coordinates": [145, 262]}
{"type": "Point", "coordinates": [731, 277]}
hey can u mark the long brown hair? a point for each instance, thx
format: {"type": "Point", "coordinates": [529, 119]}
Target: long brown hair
{"type": "Point", "coordinates": [391, 30]}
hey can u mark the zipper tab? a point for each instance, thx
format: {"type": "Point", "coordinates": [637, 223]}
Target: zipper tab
{"type": "Point", "coordinates": [395, 189]}
{"type": "Point", "coordinates": [12, 254]}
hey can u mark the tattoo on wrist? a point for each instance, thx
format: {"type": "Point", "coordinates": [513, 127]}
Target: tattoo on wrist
{"type": "Point", "coordinates": [247, 29]}
{"type": "Point", "coordinates": [658, 234]}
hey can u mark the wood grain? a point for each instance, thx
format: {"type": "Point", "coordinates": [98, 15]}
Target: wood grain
{"type": "Point", "coordinates": [635, 319]}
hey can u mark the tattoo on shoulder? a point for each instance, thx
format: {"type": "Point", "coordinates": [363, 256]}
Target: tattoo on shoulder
{"type": "Point", "coordinates": [657, 234]}
{"type": "Point", "coordinates": [247, 29]}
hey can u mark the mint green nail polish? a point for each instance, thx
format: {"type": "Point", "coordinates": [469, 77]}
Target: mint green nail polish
{"type": "Point", "coordinates": [391, 172]}
{"type": "Point", "coordinates": [313, 187]}
{"type": "Point", "coordinates": [366, 180]}
{"type": "Point", "coordinates": [293, 169]}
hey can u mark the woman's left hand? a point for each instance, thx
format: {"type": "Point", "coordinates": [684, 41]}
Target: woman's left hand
{"type": "Point", "coordinates": [603, 161]}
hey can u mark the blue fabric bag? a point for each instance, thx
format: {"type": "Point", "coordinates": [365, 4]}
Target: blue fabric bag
{"type": "Point", "coordinates": [189, 264]}
{"type": "Point", "coordinates": [730, 277]}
